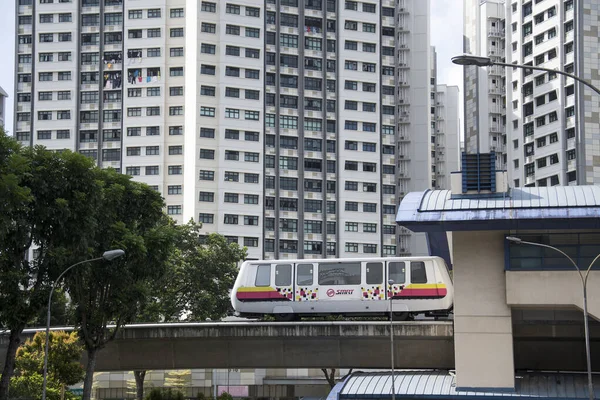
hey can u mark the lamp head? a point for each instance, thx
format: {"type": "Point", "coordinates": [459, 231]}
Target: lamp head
{"type": "Point", "coordinates": [467, 59]}
{"type": "Point", "coordinates": [514, 239]}
{"type": "Point", "coordinates": [112, 254]}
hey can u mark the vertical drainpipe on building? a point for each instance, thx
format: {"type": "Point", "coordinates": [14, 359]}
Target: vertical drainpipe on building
{"type": "Point", "coordinates": [122, 155]}
{"type": "Point", "coordinates": [397, 143]}
{"type": "Point", "coordinates": [301, 178]}
{"type": "Point", "coordinates": [381, 216]}
{"type": "Point", "coordinates": [581, 172]}
{"type": "Point", "coordinates": [264, 138]}
{"type": "Point", "coordinates": [277, 123]}
{"type": "Point", "coordinates": [33, 65]}
{"type": "Point", "coordinates": [77, 41]}
{"type": "Point", "coordinates": [16, 81]}
{"type": "Point", "coordinates": [100, 87]}
{"type": "Point", "coordinates": [563, 79]}
{"type": "Point", "coordinates": [325, 49]}
{"type": "Point", "coordinates": [338, 147]}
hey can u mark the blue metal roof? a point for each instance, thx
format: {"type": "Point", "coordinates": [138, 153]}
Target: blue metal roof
{"type": "Point", "coordinates": [564, 207]}
{"type": "Point", "coordinates": [535, 197]}
{"type": "Point", "coordinates": [441, 385]}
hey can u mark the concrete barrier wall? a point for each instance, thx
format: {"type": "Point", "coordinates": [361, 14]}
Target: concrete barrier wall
{"type": "Point", "coordinates": [552, 289]}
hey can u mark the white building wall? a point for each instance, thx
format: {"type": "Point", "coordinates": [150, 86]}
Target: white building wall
{"type": "Point", "coordinates": [3, 97]}
{"type": "Point", "coordinates": [485, 87]}
{"type": "Point", "coordinates": [172, 124]}
{"type": "Point", "coordinates": [447, 148]}
{"type": "Point", "coordinates": [552, 130]}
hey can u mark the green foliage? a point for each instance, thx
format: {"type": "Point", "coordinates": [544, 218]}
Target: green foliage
{"type": "Point", "coordinates": [165, 394]}
{"type": "Point", "coordinates": [130, 217]}
{"type": "Point", "coordinates": [48, 200]}
{"type": "Point", "coordinates": [225, 396]}
{"type": "Point", "coordinates": [63, 366]}
{"type": "Point", "coordinates": [61, 314]}
{"type": "Point", "coordinates": [198, 278]}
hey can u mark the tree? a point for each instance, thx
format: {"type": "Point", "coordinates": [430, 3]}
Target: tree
{"type": "Point", "coordinates": [61, 312]}
{"type": "Point", "coordinates": [48, 201]}
{"type": "Point", "coordinates": [130, 217]}
{"type": "Point", "coordinates": [196, 285]}
{"type": "Point", "coordinates": [330, 376]}
{"type": "Point", "coordinates": [200, 274]}
{"type": "Point", "coordinates": [63, 366]}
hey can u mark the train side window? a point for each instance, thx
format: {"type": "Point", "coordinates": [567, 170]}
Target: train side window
{"type": "Point", "coordinates": [417, 272]}
{"type": "Point", "coordinates": [283, 275]}
{"type": "Point", "coordinates": [397, 272]}
{"type": "Point", "coordinates": [341, 273]}
{"type": "Point", "coordinates": [263, 275]}
{"type": "Point", "coordinates": [374, 273]}
{"type": "Point", "coordinates": [304, 275]}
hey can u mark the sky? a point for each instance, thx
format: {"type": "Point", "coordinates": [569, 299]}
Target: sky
{"type": "Point", "coordinates": [446, 36]}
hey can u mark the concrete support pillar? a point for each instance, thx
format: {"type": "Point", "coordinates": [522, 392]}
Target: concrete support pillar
{"type": "Point", "coordinates": [483, 341]}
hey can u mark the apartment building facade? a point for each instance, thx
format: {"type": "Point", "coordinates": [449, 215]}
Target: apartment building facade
{"type": "Point", "coordinates": [3, 96]}
{"type": "Point", "coordinates": [293, 127]}
{"type": "Point", "coordinates": [445, 148]}
{"type": "Point", "coordinates": [484, 102]}
{"type": "Point", "coordinates": [551, 122]}
{"type": "Point", "coordinates": [445, 129]}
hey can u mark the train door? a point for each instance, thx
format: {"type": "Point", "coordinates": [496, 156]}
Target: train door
{"type": "Point", "coordinates": [396, 274]}
{"type": "Point", "coordinates": [375, 287]}
{"type": "Point", "coordinates": [306, 284]}
{"type": "Point", "coordinates": [283, 280]}
{"type": "Point", "coordinates": [341, 280]}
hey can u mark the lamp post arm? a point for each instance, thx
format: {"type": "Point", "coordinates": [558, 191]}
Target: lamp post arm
{"type": "Point", "coordinates": [587, 271]}
{"type": "Point", "coordinates": [578, 79]}
{"type": "Point", "coordinates": [47, 338]}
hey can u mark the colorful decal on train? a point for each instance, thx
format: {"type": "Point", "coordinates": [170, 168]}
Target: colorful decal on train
{"type": "Point", "coordinates": [412, 291]}
{"type": "Point", "coordinates": [373, 292]}
{"type": "Point", "coordinates": [266, 293]}
{"type": "Point", "coordinates": [422, 291]}
{"type": "Point", "coordinates": [307, 294]}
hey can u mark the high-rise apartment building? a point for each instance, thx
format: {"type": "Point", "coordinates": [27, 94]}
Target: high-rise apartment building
{"type": "Point", "coordinates": [293, 127]}
{"type": "Point", "coordinates": [445, 129]}
{"type": "Point", "coordinates": [484, 107]}
{"type": "Point", "coordinates": [445, 149]}
{"type": "Point", "coordinates": [551, 122]}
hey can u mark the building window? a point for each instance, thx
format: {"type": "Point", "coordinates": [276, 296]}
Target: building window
{"type": "Point", "coordinates": [207, 27]}
{"type": "Point", "coordinates": [176, 32]}
{"type": "Point", "coordinates": [176, 13]}
{"type": "Point", "coordinates": [207, 154]}
{"type": "Point", "coordinates": [207, 111]}
{"type": "Point", "coordinates": [208, 6]}
{"type": "Point", "coordinates": [175, 130]}
{"type": "Point", "coordinates": [174, 189]}
{"type": "Point", "coordinates": [207, 175]}
{"type": "Point", "coordinates": [208, 197]}
{"type": "Point", "coordinates": [232, 176]}
{"type": "Point", "coordinates": [231, 219]}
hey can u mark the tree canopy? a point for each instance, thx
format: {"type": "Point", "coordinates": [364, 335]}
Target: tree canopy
{"type": "Point", "coordinates": [130, 217]}
{"type": "Point", "coordinates": [48, 202]}
{"type": "Point", "coordinates": [200, 273]}
{"type": "Point", "coordinates": [63, 366]}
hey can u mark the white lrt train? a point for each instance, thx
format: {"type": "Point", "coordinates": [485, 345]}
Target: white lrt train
{"type": "Point", "coordinates": [290, 289]}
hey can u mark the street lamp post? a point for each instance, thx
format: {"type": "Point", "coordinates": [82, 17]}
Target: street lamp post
{"type": "Point", "coordinates": [479, 61]}
{"type": "Point", "coordinates": [391, 292]}
{"type": "Point", "coordinates": [108, 256]}
{"type": "Point", "coordinates": [584, 279]}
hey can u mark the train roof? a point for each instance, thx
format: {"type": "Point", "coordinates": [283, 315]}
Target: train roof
{"type": "Point", "coordinates": [298, 260]}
